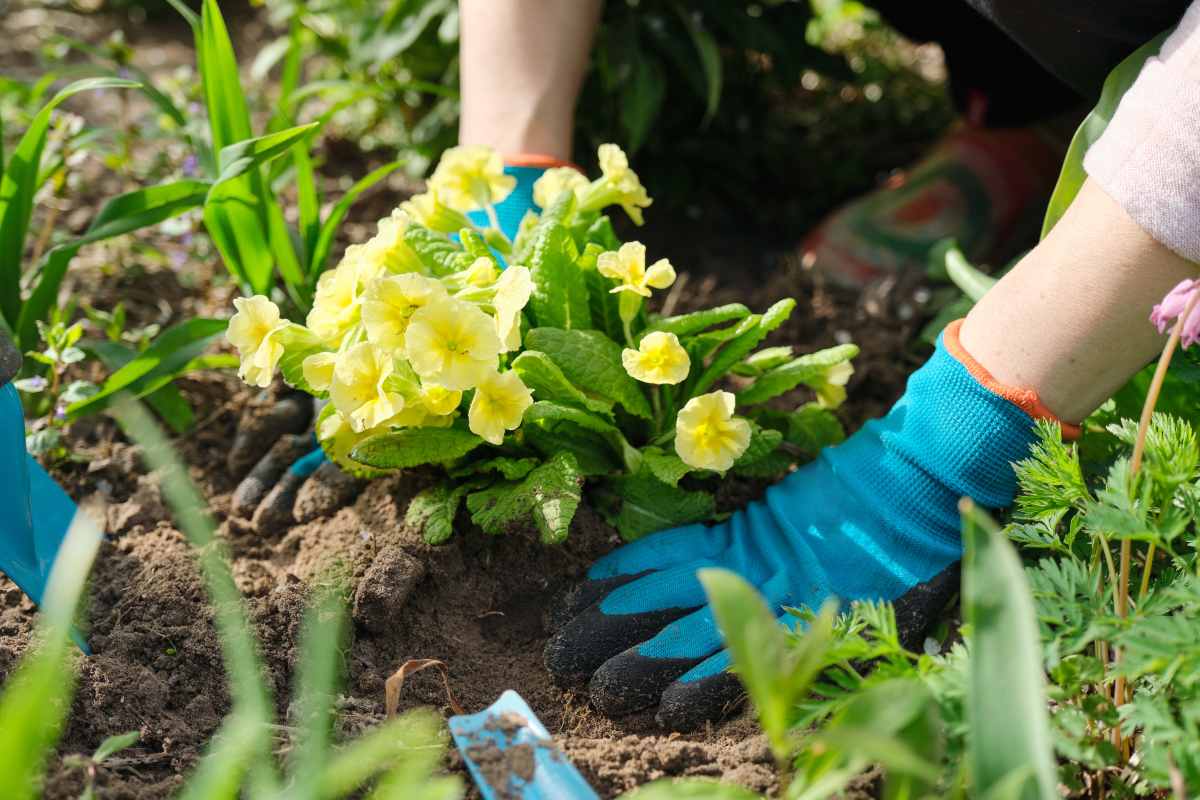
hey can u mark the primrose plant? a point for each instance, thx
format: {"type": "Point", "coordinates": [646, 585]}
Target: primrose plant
{"type": "Point", "coordinates": [521, 383]}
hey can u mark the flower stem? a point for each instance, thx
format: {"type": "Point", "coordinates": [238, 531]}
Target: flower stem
{"type": "Point", "coordinates": [493, 220]}
{"type": "Point", "coordinates": [1135, 465]}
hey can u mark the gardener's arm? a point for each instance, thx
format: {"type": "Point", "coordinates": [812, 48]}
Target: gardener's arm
{"type": "Point", "coordinates": [522, 63]}
{"type": "Point", "coordinates": [876, 517]}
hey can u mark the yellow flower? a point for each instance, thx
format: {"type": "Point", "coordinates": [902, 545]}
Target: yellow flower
{"type": "Point", "coordinates": [498, 406]}
{"type": "Point", "coordinates": [439, 400]}
{"type": "Point", "coordinates": [707, 435]}
{"type": "Point", "coordinates": [390, 303]}
{"type": "Point", "coordinates": [512, 294]}
{"type": "Point", "coordinates": [427, 210]}
{"type": "Point", "coordinates": [318, 370]}
{"type": "Point", "coordinates": [554, 182]}
{"type": "Point", "coordinates": [619, 185]}
{"type": "Point", "coordinates": [451, 343]}
{"type": "Point", "coordinates": [357, 389]}
{"type": "Point", "coordinates": [253, 331]}
{"type": "Point", "coordinates": [470, 177]}
{"type": "Point", "coordinates": [659, 359]}
{"type": "Point", "coordinates": [628, 265]}
{"type": "Point", "coordinates": [831, 390]}
{"type": "Point", "coordinates": [481, 273]}
{"type": "Point", "coordinates": [335, 307]}
{"type": "Point", "coordinates": [387, 250]}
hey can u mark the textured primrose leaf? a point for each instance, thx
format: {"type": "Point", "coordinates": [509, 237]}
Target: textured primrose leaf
{"type": "Point", "coordinates": [412, 447]}
{"type": "Point", "coordinates": [649, 505]}
{"type": "Point", "coordinates": [763, 442]}
{"type": "Point", "coordinates": [432, 511]}
{"type": "Point", "coordinates": [560, 295]}
{"type": "Point", "coordinates": [810, 427]}
{"type": "Point", "coordinates": [439, 255]}
{"type": "Point", "coordinates": [688, 324]}
{"type": "Point", "coordinates": [604, 305]}
{"type": "Point", "coordinates": [667, 467]}
{"type": "Point", "coordinates": [298, 344]}
{"type": "Point", "coordinates": [512, 469]}
{"type": "Point", "coordinates": [591, 359]}
{"type": "Point", "coordinates": [759, 362]}
{"type": "Point", "coordinates": [742, 344]}
{"type": "Point", "coordinates": [808, 369]}
{"type": "Point", "coordinates": [592, 451]}
{"type": "Point", "coordinates": [549, 496]}
{"type": "Point", "coordinates": [548, 382]}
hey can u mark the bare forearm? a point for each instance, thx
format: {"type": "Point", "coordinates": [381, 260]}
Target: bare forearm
{"type": "Point", "coordinates": [522, 66]}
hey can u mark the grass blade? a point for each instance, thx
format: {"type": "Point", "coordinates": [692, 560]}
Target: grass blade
{"type": "Point", "coordinates": [239, 158]}
{"type": "Point", "coordinates": [19, 185]}
{"type": "Point", "coordinates": [320, 663]}
{"type": "Point", "coordinates": [37, 697]}
{"type": "Point", "coordinates": [1006, 698]}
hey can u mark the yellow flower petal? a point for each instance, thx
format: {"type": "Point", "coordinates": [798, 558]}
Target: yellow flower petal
{"type": "Point", "coordinates": [440, 400]}
{"type": "Point", "coordinates": [661, 274]}
{"type": "Point", "coordinates": [390, 303]}
{"type": "Point", "coordinates": [498, 406]}
{"type": "Point", "coordinates": [451, 343]}
{"type": "Point", "coordinates": [357, 388]}
{"type": "Point", "coordinates": [253, 331]}
{"type": "Point", "coordinates": [554, 182]}
{"type": "Point", "coordinates": [831, 392]}
{"type": "Point", "coordinates": [427, 210]}
{"type": "Point", "coordinates": [659, 359]}
{"type": "Point", "coordinates": [336, 304]}
{"type": "Point", "coordinates": [512, 295]}
{"type": "Point", "coordinates": [318, 370]}
{"type": "Point", "coordinates": [387, 249]}
{"type": "Point", "coordinates": [470, 177]}
{"type": "Point", "coordinates": [707, 435]}
{"type": "Point", "coordinates": [627, 266]}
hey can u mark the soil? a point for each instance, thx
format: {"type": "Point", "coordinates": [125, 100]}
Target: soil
{"type": "Point", "coordinates": [477, 603]}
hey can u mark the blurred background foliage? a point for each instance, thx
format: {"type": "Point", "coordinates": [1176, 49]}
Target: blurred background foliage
{"type": "Point", "coordinates": [785, 106]}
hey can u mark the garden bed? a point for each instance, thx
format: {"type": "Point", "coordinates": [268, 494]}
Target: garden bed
{"type": "Point", "coordinates": [473, 603]}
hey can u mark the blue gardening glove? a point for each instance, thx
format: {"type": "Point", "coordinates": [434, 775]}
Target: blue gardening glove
{"type": "Point", "coordinates": [873, 518]}
{"type": "Point", "coordinates": [512, 209]}
{"type": "Point", "coordinates": [285, 476]}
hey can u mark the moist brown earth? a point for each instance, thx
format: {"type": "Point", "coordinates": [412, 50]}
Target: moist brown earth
{"type": "Point", "coordinates": [477, 603]}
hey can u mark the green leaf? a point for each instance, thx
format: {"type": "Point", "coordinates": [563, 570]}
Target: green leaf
{"type": "Point", "coordinates": [1071, 179]}
{"type": "Point", "coordinates": [1006, 700]}
{"type": "Point", "coordinates": [741, 345]}
{"type": "Point", "coordinates": [641, 100]}
{"type": "Point", "coordinates": [775, 670]}
{"type": "Point", "coordinates": [759, 362]}
{"type": "Point", "coordinates": [432, 511]}
{"type": "Point", "coordinates": [439, 255]}
{"type": "Point", "coordinates": [591, 359]}
{"type": "Point", "coordinates": [688, 324]}
{"type": "Point", "coordinates": [973, 283]}
{"type": "Point", "coordinates": [166, 357]}
{"type": "Point", "coordinates": [324, 242]}
{"type": "Point", "coordinates": [649, 505]}
{"type": "Point", "coordinates": [710, 60]}
{"type": "Point", "coordinates": [809, 370]}
{"type": "Point", "coordinates": [298, 344]}
{"type": "Point", "coordinates": [593, 452]}
{"type": "Point", "coordinates": [228, 115]}
{"type": "Point", "coordinates": [240, 157]}
{"type": "Point", "coordinates": [550, 494]}
{"type": "Point", "coordinates": [763, 442]}
{"type": "Point", "coordinates": [120, 215]}
{"type": "Point", "coordinates": [666, 467]}
{"type": "Point", "coordinates": [548, 382]}
{"type": "Point", "coordinates": [689, 789]}
{"type": "Point", "coordinates": [413, 742]}
{"type": "Point", "coordinates": [560, 294]}
{"type": "Point", "coordinates": [19, 186]}
{"type": "Point", "coordinates": [412, 447]}
{"type": "Point", "coordinates": [167, 401]}
{"type": "Point", "coordinates": [512, 469]}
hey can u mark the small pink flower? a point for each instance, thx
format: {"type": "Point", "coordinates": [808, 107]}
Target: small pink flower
{"type": "Point", "coordinates": [1173, 305]}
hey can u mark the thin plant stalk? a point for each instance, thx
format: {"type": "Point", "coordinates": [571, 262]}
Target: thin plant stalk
{"type": "Point", "coordinates": [1135, 465]}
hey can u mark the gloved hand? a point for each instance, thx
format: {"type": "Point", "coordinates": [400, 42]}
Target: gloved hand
{"type": "Point", "coordinates": [875, 517]}
{"type": "Point", "coordinates": [287, 478]}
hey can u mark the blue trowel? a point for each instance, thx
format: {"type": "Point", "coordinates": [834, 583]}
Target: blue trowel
{"type": "Point", "coordinates": [511, 755]}
{"type": "Point", "coordinates": [35, 512]}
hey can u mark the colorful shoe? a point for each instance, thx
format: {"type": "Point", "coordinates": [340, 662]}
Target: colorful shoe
{"type": "Point", "coordinates": [986, 189]}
